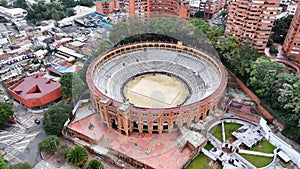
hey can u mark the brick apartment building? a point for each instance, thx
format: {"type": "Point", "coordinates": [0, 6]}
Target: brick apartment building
{"type": "Point", "coordinates": [252, 19]}
{"type": "Point", "coordinates": [107, 6]}
{"type": "Point", "coordinates": [213, 6]}
{"type": "Point", "coordinates": [210, 7]}
{"type": "Point", "coordinates": [291, 45]}
{"type": "Point", "coordinates": [145, 9]}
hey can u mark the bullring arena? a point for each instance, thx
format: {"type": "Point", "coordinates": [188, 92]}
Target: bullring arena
{"type": "Point", "coordinates": [155, 87]}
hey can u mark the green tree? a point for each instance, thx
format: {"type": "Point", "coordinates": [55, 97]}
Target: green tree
{"type": "Point", "coordinates": [72, 86]}
{"type": "Point", "coordinates": [22, 165]}
{"type": "Point", "coordinates": [199, 14]}
{"type": "Point", "coordinates": [263, 72]}
{"type": "Point", "coordinates": [3, 3]}
{"type": "Point", "coordinates": [273, 50]}
{"type": "Point", "coordinates": [55, 117]}
{"type": "Point", "coordinates": [95, 164]}
{"type": "Point", "coordinates": [55, 16]}
{"type": "Point", "coordinates": [201, 24]}
{"type": "Point", "coordinates": [77, 156]}
{"type": "Point", "coordinates": [62, 151]}
{"type": "Point", "coordinates": [224, 13]}
{"type": "Point", "coordinates": [280, 28]}
{"type": "Point", "coordinates": [240, 58]}
{"type": "Point", "coordinates": [2, 19]}
{"type": "Point", "coordinates": [20, 4]}
{"type": "Point", "coordinates": [49, 144]}
{"type": "Point", "coordinates": [3, 164]}
{"type": "Point", "coordinates": [6, 112]}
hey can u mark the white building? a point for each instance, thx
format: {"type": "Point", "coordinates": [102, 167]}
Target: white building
{"type": "Point", "coordinates": [291, 8]}
{"type": "Point", "coordinates": [285, 2]}
{"type": "Point", "coordinates": [14, 14]}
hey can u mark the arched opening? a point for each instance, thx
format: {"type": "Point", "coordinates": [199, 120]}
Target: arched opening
{"type": "Point", "coordinates": [175, 124]}
{"type": "Point", "coordinates": [155, 126]}
{"type": "Point", "coordinates": [184, 122]}
{"type": "Point", "coordinates": [114, 123]}
{"type": "Point", "coordinates": [135, 125]}
{"type": "Point", "coordinates": [194, 119]}
{"type": "Point", "coordinates": [201, 116]}
{"type": "Point", "coordinates": [165, 125]}
{"type": "Point", "coordinates": [207, 113]}
{"type": "Point", "coordinates": [145, 125]}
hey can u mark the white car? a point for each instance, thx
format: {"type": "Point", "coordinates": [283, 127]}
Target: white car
{"type": "Point", "coordinates": [6, 98]}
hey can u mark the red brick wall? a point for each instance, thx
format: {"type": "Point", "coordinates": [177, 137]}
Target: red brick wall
{"type": "Point", "coordinates": [260, 108]}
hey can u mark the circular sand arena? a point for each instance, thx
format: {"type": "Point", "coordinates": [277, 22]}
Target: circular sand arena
{"type": "Point", "coordinates": [156, 91]}
{"type": "Point", "coordinates": [155, 86]}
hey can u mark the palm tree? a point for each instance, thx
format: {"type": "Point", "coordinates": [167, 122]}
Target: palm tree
{"type": "Point", "coordinates": [77, 156]}
{"type": "Point", "coordinates": [95, 164]}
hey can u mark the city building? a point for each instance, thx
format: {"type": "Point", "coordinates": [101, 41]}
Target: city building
{"type": "Point", "coordinates": [252, 20]}
{"type": "Point", "coordinates": [209, 7]}
{"type": "Point", "coordinates": [106, 7]}
{"type": "Point", "coordinates": [291, 8]}
{"type": "Point", "coordinates": [145, 9]}
{"type": "Point", "coordinates": [127, 108]}
{"type": "Point", "coordinates": [157, 88]}
{"type": "Point", "coordinates": [13, 14]}
{"type": "Point", "coordinates": [35, 91]}
{"type": "Point", "coordinates": [291, 45]}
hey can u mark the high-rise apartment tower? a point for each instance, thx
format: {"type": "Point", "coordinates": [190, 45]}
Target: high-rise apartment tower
{"type": "Point", "coordinates": [252, 19]}
{"type": "Point", "coordinates": [291, 45]}
{"type": "Point", "coordinates": [145, 9]}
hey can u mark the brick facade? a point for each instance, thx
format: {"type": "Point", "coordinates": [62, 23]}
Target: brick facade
{"type": "Point", "coordinates": [291, 45]}
{"type": "Point", "coordinates": [145, 9]}
{"type": "Point", "coordinates": [253, 20]}
{"type": "Point", "coordinates": [131, 118]}
{"type": "Point", "coordinates": [106, 7]}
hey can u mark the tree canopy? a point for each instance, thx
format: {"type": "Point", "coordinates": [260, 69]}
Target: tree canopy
{"type": "Point", "coordinates": [62, 151]}
{"type": "Point", "coordinates": [22, 165]}
{"type": "Point", "coordinates": [95, 164]}
{"type": "Point", "coordinates": [280, 29]}
{"type": "Point", "coordinates": [77, 156]}
{"type": "Point", "coordinates": [55, 117]}
{"type": "Point", "coordinates": [72, 86]}
{"type": "Point", "coordinates": [49, 144]}
{"type": "Point", "coordinates": [278, 91]}
{"type": "Point", "coordinates": [6, 112]}
{"type": "Point", "coordinates": [3, 164]}
{"type": "Point", "coordinates": [263, 72]}
{"type": "Point", "coordinates": [173, 27]}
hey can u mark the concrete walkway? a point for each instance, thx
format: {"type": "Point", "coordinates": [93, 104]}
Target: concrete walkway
{"type": "Point", "coordinates": [281, 58]}
{"type": "Point", "coordinates": [255, 153]}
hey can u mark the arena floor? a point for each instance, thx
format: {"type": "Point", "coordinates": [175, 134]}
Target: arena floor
{"type": "Point", "coordinates": [156, 91]}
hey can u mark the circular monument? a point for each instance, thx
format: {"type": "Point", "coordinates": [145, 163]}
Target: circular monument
{"type": "Point", "coordinates": [155, 86]}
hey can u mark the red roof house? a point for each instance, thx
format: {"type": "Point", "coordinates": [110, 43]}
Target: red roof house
{"type": "Point", "coordinates": [35, 91]}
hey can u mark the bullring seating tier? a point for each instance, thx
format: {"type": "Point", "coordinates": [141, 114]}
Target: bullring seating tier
{"type": "Point", "coordinates": [200, 77]}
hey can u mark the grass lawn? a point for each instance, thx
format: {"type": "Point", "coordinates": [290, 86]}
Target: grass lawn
{"type": "Point", "coordinates": [230, 128]}
{"type": "Point", "coordinates": [217, 132]}
{"type": "Point", "coordinates": [219, 167]}
{"type": "Point", "coordinates": [208, 146]}
{"type": "Point", "coordinates": [263, 146]}
{"type": "Point", "coordinates": [200, 162]}
{"type": "Point", "coordinates": [257, 161]}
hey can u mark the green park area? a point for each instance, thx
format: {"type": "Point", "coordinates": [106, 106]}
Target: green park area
{"type": "Point", "coordinates": [200, 162]}
{"type": "Point", "coordinates": [230, 128]}
{"type": "Point", "coordinates": [257, 161]}
{"type": "Point", "coordinates": [216, 131]}
{"type": "Point", "coordinates": [263, 146]}
{"type": "Point", "coordinates": [208, 146]}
